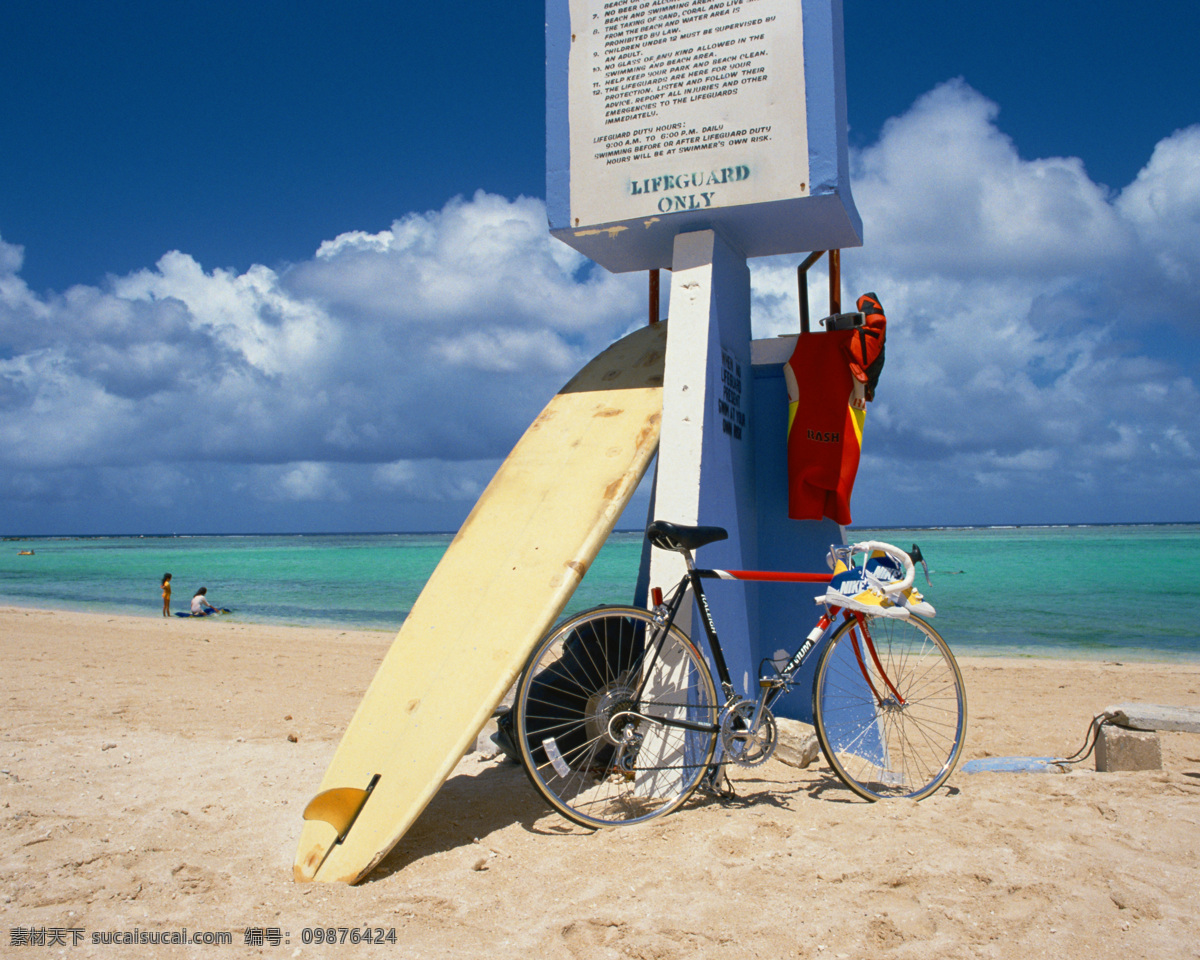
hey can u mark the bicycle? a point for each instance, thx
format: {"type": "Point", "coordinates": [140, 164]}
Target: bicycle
{"type": "Point", "coordinates": [617, 718]}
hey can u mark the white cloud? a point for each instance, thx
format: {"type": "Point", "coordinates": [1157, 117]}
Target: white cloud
{"type": "Point", "coordinates": [434, 480]}
{"type": "Point", "coordinates": [1163, 205]}
{"type": "Point", "coordinates": [1028, 353]}
{"type": "Point", "coordinates": [945, 192]}
{"type": "Point", "coordinates": [441, 337]}
{"type": "Point", "coordinates": [502, 350]}
{"type": "Point", "coordinates": [303, 481]}
{"type": "Point", "coordinates": [250, 315]}
{"type": "Point", "coordinates": [12, 256]}
{"type": "Point", "coordinates": [1042, 349]}
{"type": "Point", "coordinates": [471, 264]}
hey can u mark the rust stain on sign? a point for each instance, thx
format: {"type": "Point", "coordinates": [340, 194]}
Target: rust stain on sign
{"type": "Point", "coordinates": [611, 231]}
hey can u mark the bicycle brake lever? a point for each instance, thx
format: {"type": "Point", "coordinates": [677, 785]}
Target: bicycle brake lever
{"type": "Point", "coordinates": [917, 557]}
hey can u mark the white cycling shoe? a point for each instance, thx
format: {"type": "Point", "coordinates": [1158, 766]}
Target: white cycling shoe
{"type": "Point", "coordinates": [864, 590]}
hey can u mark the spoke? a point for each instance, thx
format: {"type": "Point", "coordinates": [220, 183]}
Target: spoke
{"type": "Point", "coordinates": [576, 692]}
{"type": "Point", "coordinates": [916, 734]}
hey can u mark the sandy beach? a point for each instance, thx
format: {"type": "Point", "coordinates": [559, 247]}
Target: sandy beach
{"type": "Point", "coordinates": [153, 773]}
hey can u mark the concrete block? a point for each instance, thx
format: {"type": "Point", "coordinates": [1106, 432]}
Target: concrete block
{"type": "Point", "coordinates": [1120, 749]}
{"type": "Point", "coordinates": [1156, 716]}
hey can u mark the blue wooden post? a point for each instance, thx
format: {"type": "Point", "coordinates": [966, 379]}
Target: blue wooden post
{"type": "Point", "coordinates": [692, 139]}
{"type": "Point", "coordinates": [786, 612]}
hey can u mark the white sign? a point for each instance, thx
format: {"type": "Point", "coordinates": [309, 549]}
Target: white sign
{"type": "Point", "coordinates": [684, 105]}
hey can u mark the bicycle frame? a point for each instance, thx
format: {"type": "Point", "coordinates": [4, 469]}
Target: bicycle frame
{"type": "Point", "coordinates": [620, 715]}
{"type": "Point", "coordinates": [694, 578]}
{"type": "Point", "coordinates": [770, 688]}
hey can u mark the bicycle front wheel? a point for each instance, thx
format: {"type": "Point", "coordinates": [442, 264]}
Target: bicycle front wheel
{"type": "Point", "coordinates": [890, 707]}
{"type": "Point", "coordinates": [616, 721]}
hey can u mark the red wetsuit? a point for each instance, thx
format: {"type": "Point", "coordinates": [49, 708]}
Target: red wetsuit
{"type": "Point", "coordinates": [824, 431]}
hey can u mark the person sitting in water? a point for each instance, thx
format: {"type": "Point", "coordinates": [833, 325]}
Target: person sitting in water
{"type": "Point", "coordinates": [200, 605]}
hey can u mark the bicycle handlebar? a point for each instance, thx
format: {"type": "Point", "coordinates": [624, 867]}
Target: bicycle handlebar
{"type": "Point", "coordinates": [867, 547]}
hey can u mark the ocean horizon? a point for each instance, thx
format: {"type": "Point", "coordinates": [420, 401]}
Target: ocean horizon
{"type": "Point", "coordinates": [1088, 591]}
{"type": "Point", "coordinates": [16, 537]}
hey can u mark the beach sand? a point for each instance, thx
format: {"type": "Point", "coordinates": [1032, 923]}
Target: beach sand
{"type": "Point", "coordinates": [150, 783]}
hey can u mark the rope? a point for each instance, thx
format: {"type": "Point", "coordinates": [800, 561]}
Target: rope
{"type": "Point", "coordinates": [1089, 739]}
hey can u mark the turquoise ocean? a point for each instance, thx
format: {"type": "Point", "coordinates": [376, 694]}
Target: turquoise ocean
{"type": "Point", "coordinates": [1106, 592]}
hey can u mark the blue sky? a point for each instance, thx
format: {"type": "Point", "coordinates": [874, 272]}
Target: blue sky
{"type": "Point", "coordinates": [283, 266]}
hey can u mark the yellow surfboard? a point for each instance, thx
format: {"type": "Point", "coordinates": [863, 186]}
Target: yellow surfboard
{"type": "Point", "coordinates": [503, 581]}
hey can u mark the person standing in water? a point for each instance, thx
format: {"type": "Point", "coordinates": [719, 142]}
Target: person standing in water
{"type": "Point", "coordinates": [166, 590]}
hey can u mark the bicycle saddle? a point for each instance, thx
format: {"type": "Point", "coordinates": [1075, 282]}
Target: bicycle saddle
{"type": "Point", "coordinates": [677, 536]}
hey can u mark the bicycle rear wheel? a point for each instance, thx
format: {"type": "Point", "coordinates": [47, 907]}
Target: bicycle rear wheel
{"type": "Point", "coordinates": [597, 752]}
{"type": "Point", "coordinates": [891, 724]}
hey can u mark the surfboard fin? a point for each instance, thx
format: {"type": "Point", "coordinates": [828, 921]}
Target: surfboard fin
{"type": "Point", "coordinates": [339, 807]}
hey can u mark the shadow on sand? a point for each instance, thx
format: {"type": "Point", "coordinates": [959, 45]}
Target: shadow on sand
{"type": "Point", "coordinates": [466, 808]}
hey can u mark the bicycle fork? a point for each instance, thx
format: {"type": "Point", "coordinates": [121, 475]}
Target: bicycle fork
{"type": "Point", "coordinates": [870, 645]}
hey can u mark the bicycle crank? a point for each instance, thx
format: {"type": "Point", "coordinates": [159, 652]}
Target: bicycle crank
{"type": "Point", "coordinates": [741, 745]}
